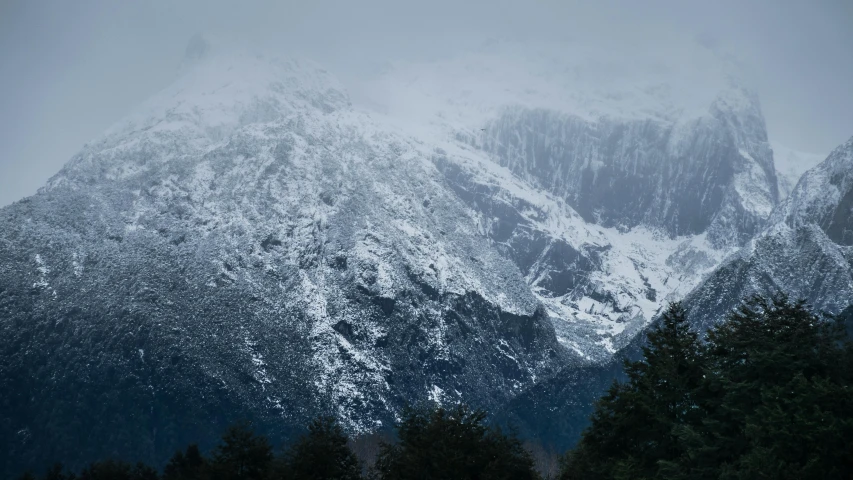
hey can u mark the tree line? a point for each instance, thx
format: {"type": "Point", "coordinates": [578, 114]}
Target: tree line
{"type": "Point", "coordinates": [431, 442]}
{"type": "Point", "coordinates": [767, 394]}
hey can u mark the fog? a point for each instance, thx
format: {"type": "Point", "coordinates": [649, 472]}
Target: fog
{"type": "Point", "coordinates": [68, 70]}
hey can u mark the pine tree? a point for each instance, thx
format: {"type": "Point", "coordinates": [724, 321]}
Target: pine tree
{"type": "Point", "coordinates": [241, 455]}
{"type": "Point", "coordinates": [189, 465]}
{"type": "Point", "coordinates": [777, 397]}
{"type": "Point", "coordinates": [322, 454]}
{"type": "Point", "coordinates": [633, 432]}
{"type": "Point", "coordinates": [117, 470]}
{"type": "Point", "coordinates": [57, 472]}
{"type": "Point", "coordinates": [439, 443]}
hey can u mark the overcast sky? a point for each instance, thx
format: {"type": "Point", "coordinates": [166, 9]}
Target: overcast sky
{"type": "Point", "coordinates": [70, 69]}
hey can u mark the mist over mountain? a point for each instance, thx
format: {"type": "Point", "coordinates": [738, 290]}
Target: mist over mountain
{"type": "Point", "coordinates": [263, 240]}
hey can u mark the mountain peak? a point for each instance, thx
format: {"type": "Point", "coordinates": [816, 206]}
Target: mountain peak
{"type": "Point", "coordinates": [221, 89]}
{"type": "Point", "coordinates": [824, 196]}
{"type": "Point", "coordinates": [791, 165]}
{"type": "Point", "coordinates": [237, 86]}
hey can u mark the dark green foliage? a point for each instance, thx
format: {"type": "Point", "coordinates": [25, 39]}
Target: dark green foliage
{"type": "Point", "coordinates": [777, 398]}
{"type": "Point", "coordinates": [769, 395]}
{"type": "Point", "coordinates": [57, 472]}
{"type": "Point", "coordinates": [439, 443]}
{"type": "Point", "coordinates": [117, 470]}
{"type": "Point", "coordinates": [321, 454]}
{"type": "Point", "coordinates": [241, 455]}
{"type": "Point", "coordinates": [433, 443]}
{"type": "Point", "coordinates": [189, 465]}
{"type": "Point", "coordinates": [631, 427]}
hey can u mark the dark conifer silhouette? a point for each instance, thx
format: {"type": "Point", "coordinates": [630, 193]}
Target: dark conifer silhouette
{"type": "Point", "coordinates": [117, 470]}
{"type": "Point", "coordinates": [777, 398]}
{"type": "Point", "coordinates": [242, 455]}
{"type": "Point", "coordinates": [631, 428]}
{"type": "Point", "coordinates": [322, 454]}
{"type": "Point", "coordinates": [189, 465]}
{"type": "Point", "coordinates": [439, 443]}
{"type": "Point", "coordinates": [770, 395]}
{"type": "Point", "coordinates": [58, 472]}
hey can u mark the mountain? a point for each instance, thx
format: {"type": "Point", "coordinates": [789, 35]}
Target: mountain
{"type": "Point", "coordinates": [248, 245]}
{"type": "Point", "coordinates": [663, 171]}
{"type": "Point", "coordinates": [791, 165]}
{"type": "Point", "coordinates": [256, 243]}
{"type": "Point", "coordinates": [805, 251]}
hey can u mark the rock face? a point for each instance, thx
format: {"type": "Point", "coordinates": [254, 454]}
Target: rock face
{"type": "Point", "coordinates": [251, 244]}
{"type": "Point", "coordinates": [715, 174]}
{"type": "Point", "coordinates": [791, 165]}
{"type": "Point", "coordinates": [803, 252]}
{"type": "Point", "coordinates": [268, 256]}
{"type": "Point", "coordinates": [806, 251]}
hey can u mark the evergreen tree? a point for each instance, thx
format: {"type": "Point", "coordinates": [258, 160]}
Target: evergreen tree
{"type": "Point", "coordinates": [322, 454]}
{"type": "Point", "coordinates": [777, 397]}
{"type": "Point", "coordinates": [632, 433]}
{"type": "Point", "coordinates": [439, 443]}
{"type": "Point", "coordinates": [189, 465]}
{"type": "Point", "coordinates": [57, 472]}
{"type": "Point", "coordinates": [769, 396]}
{"type": "Point", "coordinates": [117, 470]}
{"type": "Point", "coordinates": [241, 455]}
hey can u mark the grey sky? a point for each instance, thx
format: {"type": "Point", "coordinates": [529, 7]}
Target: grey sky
{"type": "Point", "coordinates": [69, 69]}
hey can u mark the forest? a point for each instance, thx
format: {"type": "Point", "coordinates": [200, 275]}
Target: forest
{"type": "Point", "coordinates": [765, 393]}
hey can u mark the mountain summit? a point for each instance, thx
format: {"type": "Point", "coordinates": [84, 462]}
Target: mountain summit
{"type": "Point", "coordinates": [252, 243]}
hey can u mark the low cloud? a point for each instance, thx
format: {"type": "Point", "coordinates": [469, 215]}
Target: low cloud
{"type": "Point", "coordinates": [71, 69]}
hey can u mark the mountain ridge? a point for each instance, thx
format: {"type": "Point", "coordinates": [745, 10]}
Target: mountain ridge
{"type": "Point", "coordinates": [253, 242]}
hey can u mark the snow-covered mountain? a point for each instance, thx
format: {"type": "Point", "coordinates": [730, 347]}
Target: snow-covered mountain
{"type": "Point", "coordinates": [643, 172]}
{"type": "Point", "coordinates": [805, 251]}
{"type": "Point", "coordinates": [255, 242]}
{"type": "Point", "coordinates": [791, 165]}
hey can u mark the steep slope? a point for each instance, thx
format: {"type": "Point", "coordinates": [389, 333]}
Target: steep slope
{"type": "Point", "coordinates": [683, 179]}
{"type": "Point", "coordinates": [678, 147]}
{"type": "Point", "coordinates": [248, 246]}
{"type": "Point", "coordinates": [253, 244]}
{"type": "Point", "coordinates": [806, 251]}
{"type": "Point", "coordinates": [791, 165]}
{"type": "Point", "coordinates": [655, 174]}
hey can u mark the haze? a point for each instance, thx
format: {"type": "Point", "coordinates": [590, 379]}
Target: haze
{"type": "Point", "coordinates": [68, 70]}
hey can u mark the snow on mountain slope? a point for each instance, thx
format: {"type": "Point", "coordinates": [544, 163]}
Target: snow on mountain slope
{"type": "Point", "coordinates": [273, 246]}
{"type": "Point", "coordinates": [790, 166]}
{"type": "Point", "coordinates": [269, 248]}
{"type": "Point", "coordinates": [559, 115]}
{"type": "Point", "coordinates": [213, 97]}
{"type": "Point", "coordinates": [614, 184]}
{"type": "Point", "coordinates": [806, 251]}
{"type": "Point", "coordinates": [825, 197]}
{"type": "Point", "coordinates": [602, 274]}
{"type": "Point", "coordinates": [621, 279]}
{"type": "Point", "coordinates": [599, 284]}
